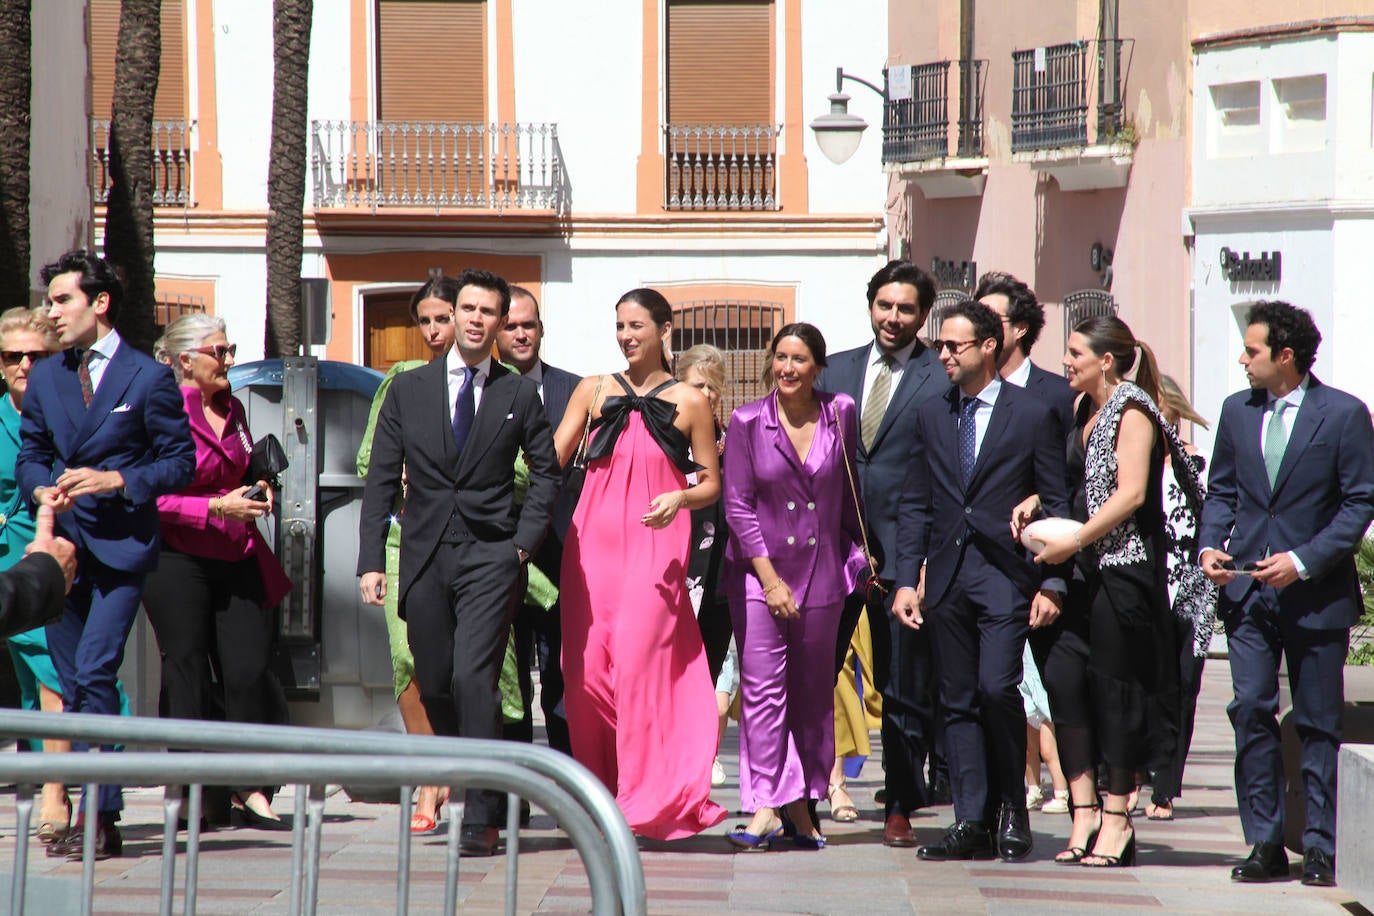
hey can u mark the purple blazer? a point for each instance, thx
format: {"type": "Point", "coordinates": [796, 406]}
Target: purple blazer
{"type": "Point", "coordinates": [801, 515]}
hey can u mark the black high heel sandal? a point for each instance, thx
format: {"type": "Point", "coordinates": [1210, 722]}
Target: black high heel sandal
{"type": "Point", "coordinates": [1076, 853]}
{"type": "Point", "coordinates": [1123, 859]}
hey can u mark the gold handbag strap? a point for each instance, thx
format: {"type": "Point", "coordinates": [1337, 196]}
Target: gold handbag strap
{"type": "Point", "coordinates": [854, 492]}
{"type": "Point", "coordinates": [580, 456]}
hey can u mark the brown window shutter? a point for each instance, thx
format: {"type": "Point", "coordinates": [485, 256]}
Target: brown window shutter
{"type": "Point", "coordinates": [170, 104]}
{"type": "Point", "coordinates": [431, 60]}
{"type": "Point", "coordinates": [720, 62]}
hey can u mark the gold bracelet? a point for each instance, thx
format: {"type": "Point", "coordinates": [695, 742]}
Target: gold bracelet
{"type": "Point", "coordinates": [772, 588]}
{"type": "Point", "coordinates": [216, 508]}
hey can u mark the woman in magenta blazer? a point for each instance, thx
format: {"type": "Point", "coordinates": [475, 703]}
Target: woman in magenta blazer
{"type": "Point", "coordinates": [794, 553]}
{"type": "Point", "coordinates": [211, 598]}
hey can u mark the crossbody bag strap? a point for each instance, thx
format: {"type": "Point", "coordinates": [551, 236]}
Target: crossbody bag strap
{"type": "Point", "coordinates": [858, 508]}
{"type": "Point", "coordinates": [580, 457]}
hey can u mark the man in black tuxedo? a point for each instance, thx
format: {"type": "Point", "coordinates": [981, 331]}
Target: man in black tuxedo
{"type": "Point", "coordinates": [539, 632]}
{"type": "Point", "coordinates": [456, 427]}
{"type": "Point", "coordinates": [1290, 495]}
{"type": "Point", "coordinates": [978, 452]}
{"type": "Point", "coordinates": [888, 380]}
{"type": "Point", "coordinates": [1023, 318]}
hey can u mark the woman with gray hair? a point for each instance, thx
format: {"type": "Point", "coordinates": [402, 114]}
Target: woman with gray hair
{"type": "Point", "coordinates": [211, 598]}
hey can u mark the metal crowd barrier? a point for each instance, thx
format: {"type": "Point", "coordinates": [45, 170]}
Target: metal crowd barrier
{"type": "Point", "coordinates": [286, 755]}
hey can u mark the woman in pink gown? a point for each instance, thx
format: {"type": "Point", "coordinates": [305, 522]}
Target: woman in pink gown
{"type": "Point", "coordinates": [641, 706]}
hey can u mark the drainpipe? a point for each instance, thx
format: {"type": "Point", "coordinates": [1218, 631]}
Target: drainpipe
{"type": "Point", "coordinates": [1109, 62]}
{"type": "Point", "coordinates": [968, 79]}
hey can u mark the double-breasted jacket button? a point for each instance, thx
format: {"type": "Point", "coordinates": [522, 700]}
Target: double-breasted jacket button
{"type": "Point", "coordinates": [791, 540]}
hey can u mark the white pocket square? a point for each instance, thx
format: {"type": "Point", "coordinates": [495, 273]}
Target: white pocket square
{"type": "Point", "coordinates": [510, 416]}
{"type": "Point", "coordinates": [122, 408]}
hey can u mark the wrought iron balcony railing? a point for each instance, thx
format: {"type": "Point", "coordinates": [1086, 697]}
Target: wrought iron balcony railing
{"type": "Point", "coordinates": [917, 128]}
{"type": "Point", "coordinates": [171, 162]}
{"type": "Point", "coordinates": [437, 164]}
{"type": "Point", "coordinates": [1049, 101]}
{"type": "Point", "coordinates": [720, 167]}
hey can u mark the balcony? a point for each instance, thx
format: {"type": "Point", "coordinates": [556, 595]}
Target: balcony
{"type": "Point", "coordinates": [437, 165]}
{"type": "Point", "coordinates": [720, 167]}
{"type": "Point", "coordinates": [916, 121]}
{"type": "Point", "coordinates": [171, 162]}
{"type": "Point", "coordinates": [1050, 106]}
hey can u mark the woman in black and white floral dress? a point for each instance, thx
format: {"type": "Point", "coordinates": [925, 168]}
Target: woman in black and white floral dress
{"type": "Point", "coordinates": [1194, 601]}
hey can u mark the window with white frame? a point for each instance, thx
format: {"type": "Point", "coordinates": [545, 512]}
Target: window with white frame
{"type": "Point", "coordinates": [1234, 128]}
{"type": "Point", "coordinates": [1300, 109]}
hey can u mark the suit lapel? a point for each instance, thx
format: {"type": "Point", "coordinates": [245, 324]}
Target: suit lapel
{"type": "Point", "coordinates": [69, 390]}
{"type": "Point", "coordinates": [778, 435]}
{"type": "Point", "coordinates": [119, 373]}
{"type": "Point", "coordinates": [997, 424]}
{"type": "Point", "coordinates": [497, 398]}
{"type": "Point", "coordinates": [914, 377]}
{"type": "Point", "coordinates": [825, 439]}
{"type": "Point", "coordinates": [1250, 453]}
{"type": "Point", "coordinates": [1310, 417]}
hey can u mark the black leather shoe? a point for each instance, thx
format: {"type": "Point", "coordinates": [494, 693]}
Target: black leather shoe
{"type": "Point", "coordinates": [1318, 869]}
{"type": "Point", "coordinates": [108, 843]}
{"type": "Point", "coordinates": [1013, 833]}
{"type": "Point", "coordinates": [478, 841]}
{"type": "Point", "coordinates": [964, 840]}
{"type": "Point", "coordinates": [1266, 862]}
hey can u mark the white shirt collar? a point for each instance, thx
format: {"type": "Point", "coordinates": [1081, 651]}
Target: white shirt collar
{"type": "Point", "coordinates": [1294, 397]}
{"type": "Point", "coordinates": [1020, 376]}
{"type": "Point", "coordinates": [899, 357]}
{"type": "Point", "coordinates": [536, 373]}
{"type": "Point", "coordinates": [107, 345]}
{"type": "Point", "coordinates": [454, 364]}
{"type": "Point", "coordinates": [989, 394]}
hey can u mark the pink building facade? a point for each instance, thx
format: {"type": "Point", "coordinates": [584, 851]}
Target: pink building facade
{"type": "Point", "coordinates": [1066, 153]}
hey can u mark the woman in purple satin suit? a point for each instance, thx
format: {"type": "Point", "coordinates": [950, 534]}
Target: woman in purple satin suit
{"type": "Point", "coordinates": [795, 536]}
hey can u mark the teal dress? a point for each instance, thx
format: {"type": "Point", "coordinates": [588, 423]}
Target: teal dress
{"type": "Point", "coordinates": [32, 663]}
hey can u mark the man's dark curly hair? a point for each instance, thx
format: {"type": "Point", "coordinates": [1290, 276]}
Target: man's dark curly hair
{"type": "Point", "coordinates": [471, 276]}
{"type": "Point", "coordinates": [987, 324]}
{"type": "Point", "coordinates": [904, 272]}
{"type": "Point", "coordinates": [1021, 304]}
{"type": "Point", "coordinates": [1289, 326]}
{"type": "Point", "coordinates": [97, 276]}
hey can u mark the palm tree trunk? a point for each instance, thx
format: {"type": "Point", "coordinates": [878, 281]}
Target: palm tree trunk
{"type": "Point", "coordinates": [15, 90]}
{"type": "Point", "coordinates": [129, 211]}
{"type": "Point", "coordinates": [286, 175]}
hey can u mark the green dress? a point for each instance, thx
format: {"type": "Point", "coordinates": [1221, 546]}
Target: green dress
{"type": "Point", "coordinates": [540, 592]}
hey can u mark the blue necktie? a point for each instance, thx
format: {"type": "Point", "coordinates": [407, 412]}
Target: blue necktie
{"type": "Point", "coordinates": [464, 410]}
{"type": "Point", "coordinates": [968, 438]}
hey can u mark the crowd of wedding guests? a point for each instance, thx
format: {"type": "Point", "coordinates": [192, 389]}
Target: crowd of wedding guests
{"type": "Point", "coordinates": [1021, 564]}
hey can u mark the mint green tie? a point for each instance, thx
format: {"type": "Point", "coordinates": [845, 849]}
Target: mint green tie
{"type": "Point", "coordinates": [1275, 440]}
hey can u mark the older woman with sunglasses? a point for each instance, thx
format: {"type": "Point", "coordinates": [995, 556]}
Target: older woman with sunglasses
{"type": "Point", "coordinates": [210, 601]}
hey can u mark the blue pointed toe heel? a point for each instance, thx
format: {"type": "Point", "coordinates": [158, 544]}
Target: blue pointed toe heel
{"type": "Point", "coordinates": [741, 838]}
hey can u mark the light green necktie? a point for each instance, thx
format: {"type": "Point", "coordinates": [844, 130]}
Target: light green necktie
{"type": "Point", "coordinates": [876, 405]}
{"type": "Point", "coordinates": [1275, 440]}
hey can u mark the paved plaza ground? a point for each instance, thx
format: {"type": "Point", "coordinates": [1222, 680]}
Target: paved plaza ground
{"type": "Point", "coordinates": [1184, 864]}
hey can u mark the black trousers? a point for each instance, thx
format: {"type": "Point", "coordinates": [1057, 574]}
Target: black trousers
{"type": "Point", "coordinates": [215, 639]}
{"type": "Point", "coordinates": [1176, 719]}
{"type": "Point", "coordinates": [458, 614]}
{"type": "Point", "coordinates": [979, 629]}
{"type": "Point", "coordinates": [904, 672]}
{"type": "Point", "coordinates": [539, 641]}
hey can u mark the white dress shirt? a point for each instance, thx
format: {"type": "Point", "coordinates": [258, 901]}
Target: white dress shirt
{"type": "Point", "coordinates": [105, 349]}
{"type": "Point", "coordinates": [982, 414]}
{"type": "Point", "coordinates": [899, 361]}
{"type": "Point", "coordinates": [454, 365]}
{"type": "Point", "coordinates": [1290, 413]}
{"type": "Point", "coordinates": [1020, 376]}
{"type": "Point", "coordinates": [536, 375]}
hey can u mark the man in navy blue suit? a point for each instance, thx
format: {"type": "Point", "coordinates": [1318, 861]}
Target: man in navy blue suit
{"type": "Point", "coordinates": [104, 433]}
{"type": "Point", "coordinates": [537, 631]}
{"type": "Point", "coordinates": [1290, 495]}
{"type": "Point", "coordinates": [888, 379]}
{"type": "Point", "coordinates": [1023, 318]}
{"type": "Point", "coordinates": [979, 451]}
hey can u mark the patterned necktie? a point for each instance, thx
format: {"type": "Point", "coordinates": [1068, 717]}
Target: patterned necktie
{"type": "Point", "coordinates": [83, 372]}
{"type": "Point", "coordinates": [1275, 441]}
{"type": "Point", "coordinates": [968, 438]}
{"type": "Point", "coordinates": [464, 410]}
{"type": "Point", "coordinates": [876, 405]}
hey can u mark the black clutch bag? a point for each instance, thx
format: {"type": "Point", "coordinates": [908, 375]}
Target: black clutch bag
{"type": "Point", "coordinates": [267, 462]}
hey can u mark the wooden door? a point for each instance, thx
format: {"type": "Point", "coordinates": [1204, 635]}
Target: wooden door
{"type": "Point", "coordinates": [390, 334]}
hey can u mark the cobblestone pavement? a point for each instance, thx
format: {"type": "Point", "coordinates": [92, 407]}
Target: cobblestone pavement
{"type": "Point", "coordinates": [1184, 864]}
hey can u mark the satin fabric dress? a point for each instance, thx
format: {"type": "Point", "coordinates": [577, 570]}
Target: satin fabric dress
{"type": "Point", "coordinates": [640, 703]}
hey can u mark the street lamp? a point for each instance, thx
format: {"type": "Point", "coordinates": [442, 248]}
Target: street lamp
{"type": "Point", "coordinates": [839, 132]}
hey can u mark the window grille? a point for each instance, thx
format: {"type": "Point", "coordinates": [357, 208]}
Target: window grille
{"type": "Point", "coordinates": [742, 328]}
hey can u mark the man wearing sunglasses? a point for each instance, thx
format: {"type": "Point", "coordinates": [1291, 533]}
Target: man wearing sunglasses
{"type": "Point", "coordinates": [982, 449]}
{"type": "Point", "coordinates": [104, 433]}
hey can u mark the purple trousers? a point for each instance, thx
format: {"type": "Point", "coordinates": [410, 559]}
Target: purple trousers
{"type": "Point", "coordinates": [787, 702]}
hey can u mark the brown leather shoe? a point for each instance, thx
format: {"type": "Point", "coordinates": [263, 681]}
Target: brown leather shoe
{"type": "Point", "coordinates": [897, 831]}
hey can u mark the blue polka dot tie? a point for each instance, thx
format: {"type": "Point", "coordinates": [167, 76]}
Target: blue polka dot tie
{"type": "Point", "coordinates": [968, 438]}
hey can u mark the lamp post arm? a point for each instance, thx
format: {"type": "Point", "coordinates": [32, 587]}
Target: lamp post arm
{"type": "Point", "coordinates": [841, 76]}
